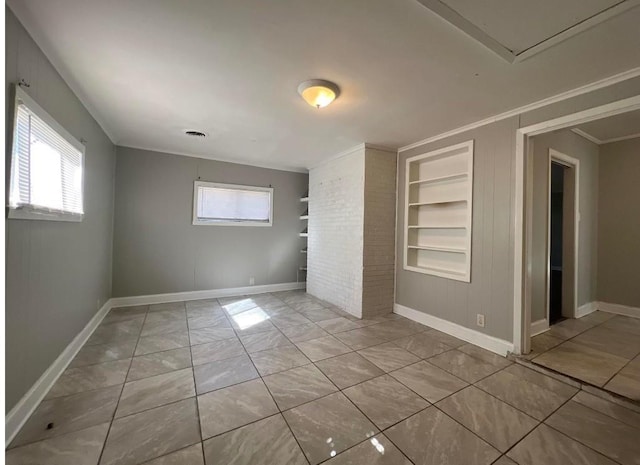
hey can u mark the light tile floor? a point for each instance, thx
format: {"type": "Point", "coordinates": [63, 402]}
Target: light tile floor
{"type": "Point", "coordinates": [283, 378]}
{"type": "Point", "coordinates": [601, 349]}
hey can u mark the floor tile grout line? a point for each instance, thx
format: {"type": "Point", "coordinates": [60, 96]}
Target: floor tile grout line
{"type": "Point", "coordinates": [115, 410]}
{"type": "Point", "coordinates": [580, 381]}
{"type": "Point", "coordinates": [543, 422]}
{"type": "Point", "coordinates": [174, 451]}
{"type": "Point", "coordinates": [579, 334]}
{"type": "Point", "coordinates": [279, 409]}
{"type": "Point", "coordinates": [565, 434]}
{"type": "Point", "coordinates": [603, 413]}
{"type": "Point", "coordinates": [195, 390]}
{"type": "Point", "coordinates": [583, 444]}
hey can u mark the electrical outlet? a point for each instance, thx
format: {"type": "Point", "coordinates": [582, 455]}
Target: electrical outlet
{"type": "Point", "coordinates": [480, 320]}
{"type": "Point", "coordinates": [252, 281]}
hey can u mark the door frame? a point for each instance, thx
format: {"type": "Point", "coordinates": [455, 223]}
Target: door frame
{"type": "Point", "coordinates": [522, 208]}
{"type": "Point", "coordinates": [572, 164]}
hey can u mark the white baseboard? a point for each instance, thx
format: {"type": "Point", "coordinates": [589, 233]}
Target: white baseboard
{"type": "Point", "coordinates": [21, 412]}
{"type": "Point", "coordinates": [207, 294]}
{"type": "Point", "coordinates": [619, 309]}
{"type": "Point", "coordinates": [584, 310]}
{"type": "Point", "coordinates": [538, 327]}
{"type": "Point", "coordinates": [493, 344]}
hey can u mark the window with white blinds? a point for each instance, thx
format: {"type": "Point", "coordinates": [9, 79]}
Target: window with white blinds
{"type": "Point", "coordinates": [46, 166]}
{"type": "Point", "coordinates": [232, 205]}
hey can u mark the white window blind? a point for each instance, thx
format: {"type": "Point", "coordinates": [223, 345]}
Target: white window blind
{"type": "Point", "coordinates": [226, 204]}
{"type": "Point", "coordinates": [47, 169]}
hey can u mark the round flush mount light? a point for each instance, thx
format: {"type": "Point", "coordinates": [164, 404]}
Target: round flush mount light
{"type": "Point", "coordinates": [192, 133]}
{"type": "Point", "coordinates": [318, 92]}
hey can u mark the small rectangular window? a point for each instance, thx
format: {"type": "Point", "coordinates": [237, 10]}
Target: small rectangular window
{"type": "Point", "coordinates": [46, 181]}
{"type": "Point", "coordinates": [232, 205]}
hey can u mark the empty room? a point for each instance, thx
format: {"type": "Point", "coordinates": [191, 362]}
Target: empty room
{"type": "Point", "coordinates": [357, 232]}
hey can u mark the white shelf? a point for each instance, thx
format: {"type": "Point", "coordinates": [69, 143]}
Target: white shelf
{"type": "Point", "coordinates": [438, 249]}
{"type": "Point", "coordinates": [304, 217]}
{"type": "Point", "coordinates": [435, 202]}
{"type": "Point", "coordinates": [447, 177]}
{"type": "Point", "coordinates": [304, 234]}
{"type": "Point", "coordinates": [438, 212]}
{"type": "Point", "coordinates": [303, 251]}
{"type": "Point", "coordinates": [304, 199]}
{"type": "Point", "coordinates": [303, 268]}
{"type": "Point", "coordinates": [434, 226]}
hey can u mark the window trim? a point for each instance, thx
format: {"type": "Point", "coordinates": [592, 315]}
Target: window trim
{"type": "Point", "coordinates": [30, 212]}
{"type": "Point", "coordinates": [200, 222]}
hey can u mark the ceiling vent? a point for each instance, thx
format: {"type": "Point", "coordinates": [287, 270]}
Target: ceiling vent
{"type": "Point", "coordinates": [193, 133]}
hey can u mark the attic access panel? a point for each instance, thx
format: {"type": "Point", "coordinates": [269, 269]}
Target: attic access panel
{"type": "Point", "coordinates": [519, 29]}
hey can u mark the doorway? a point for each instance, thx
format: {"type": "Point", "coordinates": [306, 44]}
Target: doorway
{"type": "Point", "coordinates": [556, 192]}
{"type": "Point", "coordinates": [562, 237]}
{"type": "Point", "coordinates": [524, 188]}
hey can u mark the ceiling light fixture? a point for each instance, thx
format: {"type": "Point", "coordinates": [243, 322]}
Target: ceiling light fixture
{"type": "Point", "coordinates": [318, 92]}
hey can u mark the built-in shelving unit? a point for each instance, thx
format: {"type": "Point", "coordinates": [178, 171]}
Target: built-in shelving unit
{"type": "Point", "coordinates": [438, 212]}
{"type": "Point", "coordinates": [302, 269]}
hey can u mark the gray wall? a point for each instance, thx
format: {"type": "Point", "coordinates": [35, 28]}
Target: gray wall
{"type": "Point", "coordinates": [57, 274]}
{"type": "Point", "coordinates": [156, 248]}
{"type": "Point", "coordinates": [490, 291]}
{"type": "Point", "coordinates": [619, 223]}
{"type": "Point", "coordinates": [568, 143]}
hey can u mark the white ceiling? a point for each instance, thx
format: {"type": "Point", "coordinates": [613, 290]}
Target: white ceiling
{"type": "Point", "coordinates": [149, 69]}
{"type": "Point", "coordinates": [521, 24]}
{"type": "Point", "coordinates": [613, 128]}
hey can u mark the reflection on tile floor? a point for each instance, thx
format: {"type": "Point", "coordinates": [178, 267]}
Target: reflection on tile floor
{"type": "Point", "coordinates": [283, 379]}
{"type": "Point", "coordinates": [601, 349]}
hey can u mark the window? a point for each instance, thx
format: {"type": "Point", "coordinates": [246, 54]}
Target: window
{"type": "Point", "coordinates": [232, 205]}
{"type": "Point", "coordinates": [46, 166]}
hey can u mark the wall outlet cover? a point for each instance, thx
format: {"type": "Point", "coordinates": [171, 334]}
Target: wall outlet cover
{"type": "Point", "coordinates": [480, 320]}
{"type": "Point", "coordinates": [252, 281]}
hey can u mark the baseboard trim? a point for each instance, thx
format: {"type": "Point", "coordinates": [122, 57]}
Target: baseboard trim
{"type": "Point", "coordinates": [19, 414]}
{"type": "Point", "coordinates": [619, 309]}
{"type": "Point", "coordinates": [493, 344]}
{"type": "Point", "coordinates": [538, 327]}
{"type": "Point", "coordinates": [584, 310]}
{"type": "Point", "coordinates": [206, 294]}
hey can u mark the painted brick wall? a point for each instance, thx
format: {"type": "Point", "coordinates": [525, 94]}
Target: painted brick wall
{"type": "Point", "coordinates": [379, 232]}
{"type": "Point", "coordinates": [335, 244]}
{"type": "Point", "coordinates": [351, 252]}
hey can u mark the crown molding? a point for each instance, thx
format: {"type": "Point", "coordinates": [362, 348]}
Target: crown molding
{"type": "Point", "coordinates": [611, 80]}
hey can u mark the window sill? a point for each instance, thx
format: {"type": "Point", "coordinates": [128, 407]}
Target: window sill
{"type": "Point", "coordinates": [231, 223]}
{"type": "Point", "coordinates": [43, 215]}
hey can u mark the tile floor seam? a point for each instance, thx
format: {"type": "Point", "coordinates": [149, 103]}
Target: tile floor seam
{"type": "Point", "coordinates": [604, 413]}
{"type": "Point", "coordinates": [369, 439]}
{"type": "Point", "coordinates": [452, 419]}
{"type": "Point", "coordinates": [418, 394]}
{"type": "Point", "coordinates": [547, 417]}
{"type": "Point", "coordinates": [474, 383]}
{"type": "Point", "coordinates": [618, 372]}
{"type": "Point", "coordinates": [279, 410]}
{"type": "Point", "coordinates": [582, 345]}
{"type": "Point", "coordinates": [106, 438]}
{"type": "Point", "coordinates": [543, 422]}
{"type": "Point", "coordinates": [518, 408]}
{"type": "Point", "coordinates": [582, 443]}
{"type": "Point", "coordinates": [195, 390]}
{"type": "Point", "coordinates": [473, 432]}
